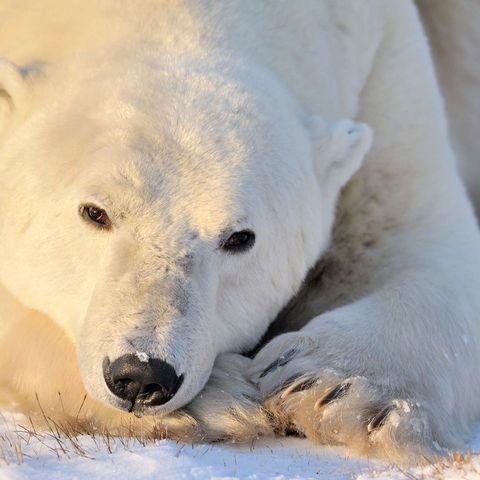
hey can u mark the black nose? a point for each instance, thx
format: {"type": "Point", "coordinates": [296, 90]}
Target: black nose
{"type": "Point", "coordinates": [141, 380]}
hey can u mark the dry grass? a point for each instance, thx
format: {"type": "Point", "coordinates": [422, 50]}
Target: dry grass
{"type": "Point", "coordinates": [20, 441]}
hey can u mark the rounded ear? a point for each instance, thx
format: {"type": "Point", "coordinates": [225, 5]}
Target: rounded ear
{"type": "Point", "coordinates": [340, 148]}
{"type": "Point", "coordinates": [13, 88]}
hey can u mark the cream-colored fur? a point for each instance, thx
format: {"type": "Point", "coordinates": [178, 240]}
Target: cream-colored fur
{"type": "Point", "coordinates": [454, 35]}
{"type": "Point", "coordinates": [187, 120]}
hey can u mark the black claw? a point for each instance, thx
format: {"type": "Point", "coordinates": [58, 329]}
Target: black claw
{"type": "Point", "coordinates": [380, 418]}
{"type": "Point", "coordinates": [337, 392]}
{"type": "Point", "coordinates": [284, 385]}
{"type": "Point", "coordinates": [305, 385]}
{"type": "Point", "coordinates": [279, 362]}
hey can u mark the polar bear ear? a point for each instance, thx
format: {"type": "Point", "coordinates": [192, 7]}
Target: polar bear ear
{"type": "Point", "coordinates": [340, 148]}
{"type": "Point", "coordinates": [13, 88]}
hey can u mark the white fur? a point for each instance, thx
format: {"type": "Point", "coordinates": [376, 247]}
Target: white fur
{"type": "Point", "coordinates": [454, 36]}
{"type": "Point", "coordinates": [188, 122]}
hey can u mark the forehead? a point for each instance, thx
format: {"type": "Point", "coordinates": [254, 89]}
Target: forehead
{"type": "Point", "coordinates": [207, 188]}
{"type": "Point", "coordinates": [199, 146]}
{"type": "Point", "coordinates": [202, 157]}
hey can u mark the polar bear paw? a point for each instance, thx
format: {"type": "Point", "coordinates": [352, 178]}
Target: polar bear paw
{"type": "Point", "coordinates": [334, 407]}
{"type": "Point", "coordinates": [229, 407]}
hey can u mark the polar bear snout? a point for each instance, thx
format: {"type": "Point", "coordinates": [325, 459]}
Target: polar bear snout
{"type": "Point", "coordinates": [140, 380]}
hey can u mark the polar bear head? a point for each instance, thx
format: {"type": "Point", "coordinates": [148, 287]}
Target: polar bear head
{"type": "Point", "coordinates": [162, 211]}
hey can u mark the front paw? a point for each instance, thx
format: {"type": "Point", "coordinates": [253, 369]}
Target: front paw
{"type": "Point", "coordinates": [229, 407]}
{"type": "Point", "coordinates": [305, 390]}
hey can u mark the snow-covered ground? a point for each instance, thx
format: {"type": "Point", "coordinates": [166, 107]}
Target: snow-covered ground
{"type": "Point", "coordinates": [42, 456]}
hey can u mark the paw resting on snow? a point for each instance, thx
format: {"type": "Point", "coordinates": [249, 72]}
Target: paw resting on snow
{"type": "Point", "coordinates": [336, 407]}
{"type": "Point", "coordinates": [229, 407]}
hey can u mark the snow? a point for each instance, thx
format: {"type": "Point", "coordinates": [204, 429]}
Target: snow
{"type": "Point", "coordinates": [45, 457]}
{"type": "Point", "coordinates": [142, 356]}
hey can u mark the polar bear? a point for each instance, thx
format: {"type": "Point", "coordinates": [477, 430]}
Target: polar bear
{"type": "Point", "coordinates": [170, 176]}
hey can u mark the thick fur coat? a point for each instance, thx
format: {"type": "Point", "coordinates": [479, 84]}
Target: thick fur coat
{"type": "Point", "coordinates": [187, 122]}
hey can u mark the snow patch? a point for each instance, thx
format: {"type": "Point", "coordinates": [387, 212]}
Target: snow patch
{"type": "Point", "coordinates": [268, 459]}
{"type": "Point", "coordinates": [142, 356]}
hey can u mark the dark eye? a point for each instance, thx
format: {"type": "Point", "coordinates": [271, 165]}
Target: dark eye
{"type": "Point", "coordinates": [239, 241]}
{"type": "Point", "coordinates": [95, 215]}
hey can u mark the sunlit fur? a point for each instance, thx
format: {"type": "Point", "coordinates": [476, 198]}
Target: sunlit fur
{"type": "Point", "coordinates": [187, 121]}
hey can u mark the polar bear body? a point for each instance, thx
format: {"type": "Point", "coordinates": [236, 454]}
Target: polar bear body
{"type": "Point", "coordinates": [389, 313]}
